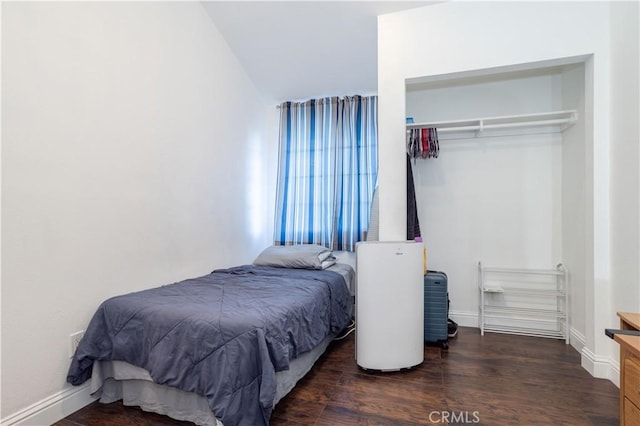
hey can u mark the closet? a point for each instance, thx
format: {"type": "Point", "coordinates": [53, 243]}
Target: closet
{"type": "Point", "coordinates": [507, 187]}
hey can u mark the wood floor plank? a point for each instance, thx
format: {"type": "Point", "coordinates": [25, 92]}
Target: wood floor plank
{"type": "Point", "coordinates": [66, 422]}
{"type": "Point", "coordinates": [316, 386]}
{"type": "Point", "coordinates": [342, 416]}
{"type": "Point", "coordinates": [117, 414]}
{"type": "Point", "coordinates": [388, 397]}
{"type": "Point", "coordinates": [296, 411]}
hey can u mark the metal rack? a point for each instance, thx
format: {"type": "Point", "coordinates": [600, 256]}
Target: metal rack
{"type": "Point", "coordinates": [531, 302]}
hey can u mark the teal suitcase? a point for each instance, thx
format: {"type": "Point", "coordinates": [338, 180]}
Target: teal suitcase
{"type": "Point", "coordinates": [436, 308]}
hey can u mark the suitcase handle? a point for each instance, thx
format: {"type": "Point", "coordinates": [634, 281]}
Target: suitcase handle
{"type": "Point", "coordinates": [436, 272]}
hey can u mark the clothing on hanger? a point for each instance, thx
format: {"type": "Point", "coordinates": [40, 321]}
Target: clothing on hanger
{"type": "Point", "coordinates": [423, 143]}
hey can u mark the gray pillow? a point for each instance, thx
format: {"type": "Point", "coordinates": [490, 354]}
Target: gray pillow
{"type": "Point", "coordinates": [301, 256]}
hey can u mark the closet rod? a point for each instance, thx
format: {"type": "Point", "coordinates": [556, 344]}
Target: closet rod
{"type": "Point", "coordinates": [506, 122]}
{"type": "Point", "coordinates": [480, 127]}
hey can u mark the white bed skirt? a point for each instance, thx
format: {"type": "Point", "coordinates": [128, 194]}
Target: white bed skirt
{"type": "Point", "coordinates": [117, 380]}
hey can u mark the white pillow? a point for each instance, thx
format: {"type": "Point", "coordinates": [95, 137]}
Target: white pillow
{"type": "Point", "coordinates": [301, 256]}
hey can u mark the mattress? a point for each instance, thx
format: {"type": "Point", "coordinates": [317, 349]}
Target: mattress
{"type": "Point", "coordinates": [347, 273]}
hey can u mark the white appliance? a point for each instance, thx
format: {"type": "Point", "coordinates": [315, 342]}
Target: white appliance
{"type": "Point", "coordinates": [389, 304]}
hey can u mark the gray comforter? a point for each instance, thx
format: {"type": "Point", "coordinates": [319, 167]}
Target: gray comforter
{"type": "Point", "coordinates": [223, 335]}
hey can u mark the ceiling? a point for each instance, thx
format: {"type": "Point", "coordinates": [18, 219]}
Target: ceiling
{"type": "Point", "coordinates": [298, 50]}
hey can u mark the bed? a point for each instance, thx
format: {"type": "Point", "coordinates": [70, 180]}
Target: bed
{"type": "Point", "coordinates": [223, 348]}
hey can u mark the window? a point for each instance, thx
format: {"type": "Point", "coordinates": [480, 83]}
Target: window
{"type": "Point", "coordinates": [328, 163]}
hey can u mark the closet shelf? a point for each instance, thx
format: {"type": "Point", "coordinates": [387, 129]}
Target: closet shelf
{"type": "Point", "coordinates": [557, 120]}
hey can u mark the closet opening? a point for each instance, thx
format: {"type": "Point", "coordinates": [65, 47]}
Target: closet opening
{"type": "Point", "coordinates": [509, 185]}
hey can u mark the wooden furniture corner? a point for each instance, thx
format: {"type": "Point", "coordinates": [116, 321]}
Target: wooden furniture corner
{"type": "Point", "coordinates": [629, 369]}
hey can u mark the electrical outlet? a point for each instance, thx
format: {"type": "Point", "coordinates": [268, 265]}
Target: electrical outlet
{"type": "Point", "coordinates": [74, 341]}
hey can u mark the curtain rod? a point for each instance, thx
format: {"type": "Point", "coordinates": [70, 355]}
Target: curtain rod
{"type": "Point", "coordinates": [278, 106]}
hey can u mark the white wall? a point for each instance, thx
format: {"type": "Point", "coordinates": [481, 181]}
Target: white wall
{"type": "Point", "coordinates": [625, 155]}
{"type": "Point", "coordinates": [134, 154]}
{"type": "Point", "coordinates": [476, 37]}
{"type": "Point", "coordinates": [491, 199]}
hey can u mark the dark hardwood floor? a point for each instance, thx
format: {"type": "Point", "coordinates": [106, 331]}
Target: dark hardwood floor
{"type": "Point", "coordinates": [497, 379]}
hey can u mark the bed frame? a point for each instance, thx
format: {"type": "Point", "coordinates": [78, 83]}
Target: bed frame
{"type": "Point", "coordinates": [117, 380]}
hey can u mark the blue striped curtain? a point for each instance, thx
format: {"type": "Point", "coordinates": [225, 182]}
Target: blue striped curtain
{"type": "Point", "coordinates": [328, 165]}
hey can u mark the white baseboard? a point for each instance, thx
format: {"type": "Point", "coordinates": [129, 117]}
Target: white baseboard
{"type": "Point", "coordinates": [614, 372]}
{"type": "Point", "coordinates": [577, 339]}
{"type": "Point", "coordinates": [598, 366]}
{"type": "Point", "coordinates": [465, 319]}
{"type": "Point", "coordinates": [51, 409]}
{"type": "Point", "coordinates": [601, 367]}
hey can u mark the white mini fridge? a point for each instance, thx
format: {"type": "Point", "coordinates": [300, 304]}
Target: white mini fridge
{"type": "Point", "coordinates": [389, 305]}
